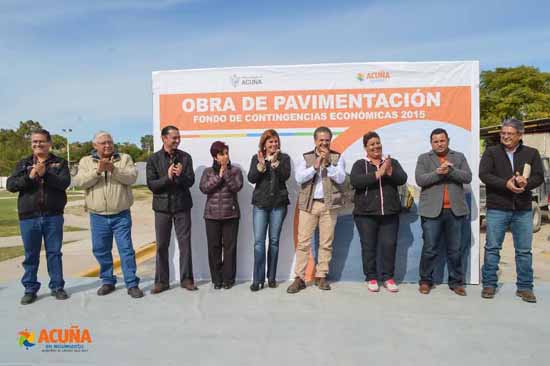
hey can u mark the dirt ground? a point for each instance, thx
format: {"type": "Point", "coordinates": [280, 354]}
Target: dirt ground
{"type": "Point", "coordinates": [541, 256]}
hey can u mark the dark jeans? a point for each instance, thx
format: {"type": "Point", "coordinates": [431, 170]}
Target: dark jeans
{"type": "Point", "coordinates": [378, 234]}
{"type": "Point", "coordinates": [163, 229]}
{"type": "Point", "coordinates": [222, 238]}
{"type": "Point", "coordinates": [32, 231]}
{"type": "Point", "coordinates": [449, 227]}
{"type": "Point", "coordinates": [103, 228]}
{"type": "Point", "coordinates": [262, 219]}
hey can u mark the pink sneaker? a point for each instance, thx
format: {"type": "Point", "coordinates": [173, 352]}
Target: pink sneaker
{"type": "Point", "coordinates": [372, 285]}
{"type": "Point", "coordinates": [391, 286]}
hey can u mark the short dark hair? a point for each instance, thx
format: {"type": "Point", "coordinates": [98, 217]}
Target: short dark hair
{"type": "Point", "coordinates": [322, 129]}
{"type": "Point", "coordinates": [217, 148]}
{"type": "Point", "coordinates": [369, 135]}
{"type": "Point", "coordinates": [166, 130]}
{"type": "Point", "coordinates": [514, 123]}
{"type": "Point", "coordinates": [438, 131]}
{"type": "Point", "coordinates": [43, 132]}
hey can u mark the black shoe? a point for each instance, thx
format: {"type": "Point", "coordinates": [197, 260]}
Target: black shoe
{"type": "Point", "coordinates": [105, 289]}
{"type": "Point", "coordinates": [135, 292]}
{"type": "Point", "coordinates": [217, 286]}
{"type": "Point", "coordinates": [228, 285]}
{"type": "Point", "coordinates": [60, 294]}
{"type": "Point", "coordinates": [271, 284]}
{"type": "Point", "coordinates": [28, 298]}
{"type": "Point", "coordinates": [256, 287]}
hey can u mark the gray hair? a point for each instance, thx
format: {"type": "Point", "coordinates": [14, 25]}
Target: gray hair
{"type": "Point", "coordinates": [514, 123]}
{"type": "Point", "coordinates": [102, 133]}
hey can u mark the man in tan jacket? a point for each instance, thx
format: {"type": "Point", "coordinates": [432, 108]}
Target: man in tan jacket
{"type": "Point", "coordinates": [107, 177]}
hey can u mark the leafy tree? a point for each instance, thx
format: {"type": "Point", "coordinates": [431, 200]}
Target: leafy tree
{"type": "Point", "coordinates": [522, 92]}
{"type": "Point", "coordinates": [147, 144]}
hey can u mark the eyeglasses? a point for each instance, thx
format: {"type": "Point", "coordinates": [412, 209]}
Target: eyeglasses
{"type": "Point", "coordinates": [508, 133]}
{"type": "Point", "coordinates": [105, 143]}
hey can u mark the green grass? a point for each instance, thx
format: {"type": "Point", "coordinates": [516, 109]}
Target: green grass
{"type": "Point", "coordinates": [9, 221]}
{"type": "Point", "coordinates": [18, 251]}
{"type": "Point", "coordinates": [11, 252]}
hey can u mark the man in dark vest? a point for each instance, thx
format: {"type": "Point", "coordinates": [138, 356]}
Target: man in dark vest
{"type": "Point", "coordinates": [510, 170]}
{"type": "Point", "coordinates": [321, 174]}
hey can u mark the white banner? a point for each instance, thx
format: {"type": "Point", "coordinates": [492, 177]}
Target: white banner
{"type": "Point", "coordinates": [403, 102]}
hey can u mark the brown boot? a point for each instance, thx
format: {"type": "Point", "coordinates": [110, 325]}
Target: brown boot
{"type": "Point", "coordinates": [488, 292]}
{"type": "Point", "coordinates": [460, 290]}
{"type": "Point", "coordinates": [322, 283]}
{"type": "Point", "coordinates": [527, 296]}
{"type": "Point", "coordinates": [296, 286]}
{"type": "Point", "coordinates": [159, 287]}
{"type": "Point", "coordinates": [188, 284]}
{"type": "Point", "coordinates": [424, 288]}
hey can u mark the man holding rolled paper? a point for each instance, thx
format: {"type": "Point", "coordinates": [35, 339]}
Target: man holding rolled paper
{"type": "Point", "coordinates": [510, 170]}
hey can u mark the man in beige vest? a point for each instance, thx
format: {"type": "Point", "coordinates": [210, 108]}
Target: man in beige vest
{"type": "Point", "coordinates": [321, 174]}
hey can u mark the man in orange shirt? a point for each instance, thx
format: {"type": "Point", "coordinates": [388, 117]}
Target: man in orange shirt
{"type": "Point", "coordinates": [441, 173]}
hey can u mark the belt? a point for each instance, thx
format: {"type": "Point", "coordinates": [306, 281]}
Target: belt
{"type": "Point", "coordinates": [322, 200]}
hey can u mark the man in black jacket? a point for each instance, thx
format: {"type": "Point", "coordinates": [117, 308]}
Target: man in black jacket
{"type": "Point", "coordinates": [510, 171]}
{"type": "Point", "coordinates": [169, 176]}
{"type": "Point", "coordinates": [41, 180]}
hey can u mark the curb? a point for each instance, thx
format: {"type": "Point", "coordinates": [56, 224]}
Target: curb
{"type": "Point", "coordinates": [143, 253]}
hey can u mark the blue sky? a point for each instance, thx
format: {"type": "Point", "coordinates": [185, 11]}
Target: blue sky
{"type": "Point", "coordinates": [87, 65]}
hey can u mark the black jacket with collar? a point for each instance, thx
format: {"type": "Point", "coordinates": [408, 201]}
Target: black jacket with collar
{"type": "Point", "coordinates": [40, 196]}
{"type": "Point", "coordinates": [270, 190]}
{"type": "Point", "coordinates": [495, 170]}
{"type": "Point", "coordinates": [170, 195]}
{"type": "Point", "coordinates": [376, 196]}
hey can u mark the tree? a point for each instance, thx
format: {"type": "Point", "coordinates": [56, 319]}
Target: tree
{"type": "Point", "coordinates": [522, 92]}
{"type": "Point", "coordinates": [147, 144]}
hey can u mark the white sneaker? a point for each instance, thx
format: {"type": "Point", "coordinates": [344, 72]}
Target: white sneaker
{"type": "Point", "coordinates": [390, 285]}
{"type": "Point", "coordinates": [372, 285]}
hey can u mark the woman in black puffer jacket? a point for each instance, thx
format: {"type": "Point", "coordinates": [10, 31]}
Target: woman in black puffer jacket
{"type": "Point", "coordinates": [269, 170]}
{"type": "Point", "coordinates": [221, 183]}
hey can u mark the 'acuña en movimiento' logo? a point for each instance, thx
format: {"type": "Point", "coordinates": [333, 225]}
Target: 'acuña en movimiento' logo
{"type": "Point", "coordinates": [26, 339]}
{"type": "Point", "coordinates": [71, 339]}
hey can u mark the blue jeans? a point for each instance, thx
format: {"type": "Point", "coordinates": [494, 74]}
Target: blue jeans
{"type": "Point", "coordinates": [262, 218]}
{"type": "Point", "coordinates": [32, 231]}
{"type": "Point", "coordinates": [521, 224]}
{"type": "Point", "coordinates": [103, 228]}
{"type": "Point", "coordinates": [448, 227]}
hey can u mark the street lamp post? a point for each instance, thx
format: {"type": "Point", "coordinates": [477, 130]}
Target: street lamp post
{"type": "Point", "coordinates": [67, 131]}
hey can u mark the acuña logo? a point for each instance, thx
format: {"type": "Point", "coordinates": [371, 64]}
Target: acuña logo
{"type": "Point", "coordinates": [375, 76]}
{"type": "Point", "coordinates": [237, 80]}
{"type": "Point", "coordinates": [71, 339]}
{"type": "Point", "coordinates": [26, 339]}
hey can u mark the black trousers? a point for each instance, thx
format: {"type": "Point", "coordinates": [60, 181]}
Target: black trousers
{"type": "Point", "coordinates": [222, 239]}
{"type": "Point", "coordinates": [378, 235]}
{"type": "Point", "coordinates": [163, 229]}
